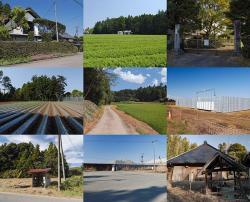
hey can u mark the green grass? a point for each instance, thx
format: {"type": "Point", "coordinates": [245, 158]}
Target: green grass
{"type": "Point", "coordinates": [15, 60]}
{"type": "Point", "coordinates": [125, 50]}
{"type": "Point", "coordinates": [154, 114]}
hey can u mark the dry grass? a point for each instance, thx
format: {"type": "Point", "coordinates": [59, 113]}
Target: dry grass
{"type": "Point", "coordinates": [191, 121]}
{"type": "Point", "coordinates": [23, 185]}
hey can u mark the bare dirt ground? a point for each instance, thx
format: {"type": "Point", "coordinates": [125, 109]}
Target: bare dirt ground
{"type": "Point", "coordinates": [111, 123]}
{"type": "Point", "coordinates": [192, 121]}
{"type": "Point", "coordinates": [204, 58]}
{"type": "Point", "coordinates": [23, 185]}
{"type": "Point", "coordinates": [41, 118]}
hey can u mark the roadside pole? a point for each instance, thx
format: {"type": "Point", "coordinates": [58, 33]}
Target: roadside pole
{"type": "Point", "coordinates": [63, 169]}
{"type": "Point", "coordinates": [153, 142]}
{"type": "Point", "coordinates": [57, 36]}
{"type": "Point", "coordinates": [58, 157]}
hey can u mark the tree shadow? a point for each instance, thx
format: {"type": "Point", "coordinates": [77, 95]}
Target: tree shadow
{"type": "Point", "coordinates": [150, 194]}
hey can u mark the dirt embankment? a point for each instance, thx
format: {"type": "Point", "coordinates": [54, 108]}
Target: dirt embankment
{"type": "Point", "coordinates": [191, 121]}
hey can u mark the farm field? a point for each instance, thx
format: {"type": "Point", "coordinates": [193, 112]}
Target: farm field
{"type": "Point", "coordinates": [154, 114]}
{"type": "Point", "coordinates": [125, 50]}
{"type": "Point", "coordinates": [41, 118]}
{"type": "Point", "coordinates": [191, 121]}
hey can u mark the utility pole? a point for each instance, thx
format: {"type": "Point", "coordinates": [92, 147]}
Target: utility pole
{"type": "Point", "coordinates": [153, 142]}
{"type": "Point", "coordinates": [63, 169]}
{"type": "Point", "coordinates": [57, 35]}
{"type": "Point", "coordinates": [59, 167]}
{"type": "Point", "coordinates": [142, 156]}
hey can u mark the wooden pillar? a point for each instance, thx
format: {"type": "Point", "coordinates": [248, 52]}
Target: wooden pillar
{"type": "Point", "coordinates": [234, 179]}
{"type": "Point", "coordinates": [206, 182]}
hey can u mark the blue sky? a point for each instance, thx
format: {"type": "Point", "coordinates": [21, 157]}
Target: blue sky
{"type": "Point", "coordinates": [216, 140]}
{"type": "Point", "coordinates": [185, 82]}
{"type": "Point", "coordinates": [107, 149]}
{"type": "Point", "coordinates": [98, 10]}
{"type": "Point", "coordinates": [133, 78]}
{"type": "Point", "coordinates": [72, 144]}
{"type": "Point", "coordinates": [20, 75]}
{"type": "Point", "coordinates": [69, 12]}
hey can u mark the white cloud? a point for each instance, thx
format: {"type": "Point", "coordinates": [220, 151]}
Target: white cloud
{"type": "Point", "coordinates": [129, 76]}
{"type": "Point", "coordinates": [148, 75]}
{"type": "Point", "coordinates": [163, 75]}
{"type": "Point", "coordinates": [157, 161]}
{"type": "Point", "coordinates": [155, 82]}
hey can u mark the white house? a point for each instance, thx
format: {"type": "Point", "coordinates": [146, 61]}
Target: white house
{"type": "Point", "coordinates": [125, 32]}
{"type": "Point", "coordinates": [18, 33]}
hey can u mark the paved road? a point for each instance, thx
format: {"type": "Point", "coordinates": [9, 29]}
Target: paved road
{"type": "Point", "coordinates": [13, 197]}
{"type": "Point", "coordinates": [68, 61]}
{"type": "Point", "coordinates": [202, 60]}
{"type": "Point", "coordinates": [111, 123]}
{"type": "Point", "coordinates": [124, 186]}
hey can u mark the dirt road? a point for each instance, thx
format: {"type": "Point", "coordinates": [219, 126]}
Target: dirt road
{"type": "Point", "coordinates": [111, 123]}
{"type": "Point", "coordinates": [202, 60]}
{"type": "Point", "coordinates": [12, 197]}
{"type": "Point", "coordinates": [68, 61]}
{"type": "Point", "coordinates": [124, 186]}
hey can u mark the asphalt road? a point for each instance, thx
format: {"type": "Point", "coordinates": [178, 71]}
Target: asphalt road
{"type": "Point", "coordinates": [111, 123]}
{"type": "Point", "coordinates": [13, 197]}
{"type": "Point", "coordinates": [67, 61]}
{"type": "Point", "coordinates": [124, 186]}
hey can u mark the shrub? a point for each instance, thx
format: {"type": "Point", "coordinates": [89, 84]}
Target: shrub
{"type": "Point", "coordinates": [73, 183]}
{"type": "Point", "coordinates": [13, 49]}
{"type": "Point", "coordinates": [31, 36]}
{"type": "Point", "coordinates": [4, 33]}
{"type": "Point", "coordinates": [47, 37]}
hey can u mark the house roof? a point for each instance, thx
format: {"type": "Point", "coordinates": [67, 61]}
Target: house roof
{"type": "Point", "coordinates": [65, 36]}
{"type": "Point", "coordinates": [39, 171]}
{"type": "Point", "coordinates": [222, 162]}
{"type": "Point", "coordinates": [200, 155]}
{"type": "Point", "coordinates": [32, 12]}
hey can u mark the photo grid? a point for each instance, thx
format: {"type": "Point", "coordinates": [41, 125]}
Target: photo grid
{"type": "Point", "coordinates": [114, 101]}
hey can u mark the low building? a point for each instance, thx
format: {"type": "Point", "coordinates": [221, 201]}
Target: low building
{"type": "Point", "coordinates": [125, 32]}
{"type": "Point", "coordinates": [204, 163]}
{"type": "Point", "coordinates": [40, 177]}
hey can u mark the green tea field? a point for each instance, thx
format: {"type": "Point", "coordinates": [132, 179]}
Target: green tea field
{"type": "Point", "coordinates": [154, 114]}
{"type": "Point", "coordinates": [125, 50]}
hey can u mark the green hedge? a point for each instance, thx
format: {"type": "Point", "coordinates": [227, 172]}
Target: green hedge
{"type": "Point", "coordinates": [24, 49]}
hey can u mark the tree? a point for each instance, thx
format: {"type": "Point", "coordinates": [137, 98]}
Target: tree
{"type": "Point", "coordinates": [18, 16]}
{"type": "Point", "coordinates": [5, 13]}
{"type": "Point", "coordinates": [4, 33]}
{"type": "Point", "coordinates": [76, 93]}
{"type": "Point", "coordinates": [185, 13]}
{"type": "Point", "coordinates": [223, 147]}
{"type": "Point", "coordinates": [212, 14]}
{"type": "Point", "coordinates": [237, 150]}
{"type": "Point", "coordinates": [97, 85]}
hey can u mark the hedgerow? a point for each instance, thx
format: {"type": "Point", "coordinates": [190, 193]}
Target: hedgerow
{"type": "Point", "coordinates": [25, 49]}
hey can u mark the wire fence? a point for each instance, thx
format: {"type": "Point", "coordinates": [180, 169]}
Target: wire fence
{"type": "Point", "coordinates": [73, 99]}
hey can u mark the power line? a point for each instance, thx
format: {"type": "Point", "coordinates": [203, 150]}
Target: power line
{"type": "Point", "coordinates": [78, 2]}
